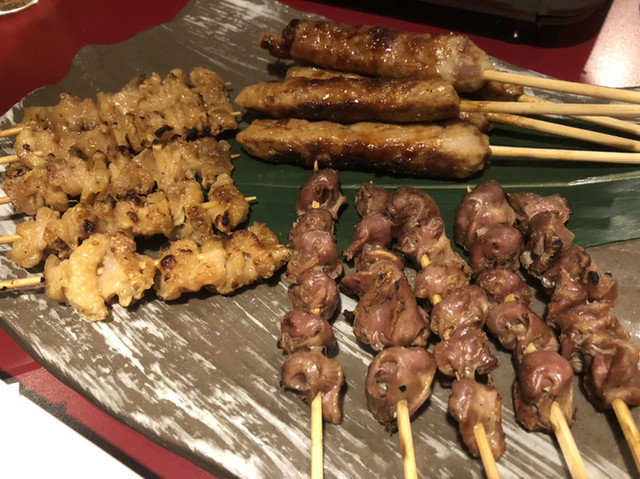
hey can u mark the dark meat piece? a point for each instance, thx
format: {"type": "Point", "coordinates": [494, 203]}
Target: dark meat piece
{"type": "Point", "coordinates": [315, 292]}
{"type": "Point", "coordinates": [409, 207]}
{"type": "Point", "coordinates": [502, 284]}
{"type": "Point", "coordinates": [499, 247]}
{"type": "Point", "coordinates": [612, 369]}
{"type": "Point", "coordinates": [317, 219]}
{"type": "Point", "coordinates": [370, 199]}
{"type": "Point", "coordinates": [428, 243]}
{"type": "Point", "coordinates": [321, 190]}
{"type": "Point", "coordinates": [450, 150]}
{"type": "Point", "coordinates": [567, 294]}
{"type": "Point", "coordinates": [378, 51]}
{"type": "Point", "coordinates": [440, 279]}
{"type": "Point", "coordinates": [311, 372]}
{"type": "Point", "coordinates": [373, 253]}
{"type": "Point", "coordinates": [463, 308]}
{"type": "Point", "coordinates": [484, 206]}
{"type": "Point", "coordinates": [387, 313]}
{"type": "Point", "coordinates": [529, 205]}
{"type": "Point", "coordinates": [473, 403]}
{"type": "Point", "coordinates": [549, 236]}
{"type": "Point", "coordinates": [395, 374]}
{"type": "Point", "coordinates": [465, 354]}
{"type": "Point", "coordinates": [303, 330]}
{"type": "Point", "coordinates": [373, 230]}
{"type": "Point", "coordinates": [544, 377]}
{"type": "Point", "coordinates": [580, 323]}
{"type": "Point", "coordinates": [518, 328]}
{"type": "Point", "coordinates": [313, 250]}
{"type": "Point", "coordinates": [575, 263]}
{"type": "Point", "coordinates": [350, 100]}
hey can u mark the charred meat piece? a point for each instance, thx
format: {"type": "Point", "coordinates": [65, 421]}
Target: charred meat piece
{"type": "Point", "coordinates": [499, 247]}
{"type": "Point", "coordinates": [311, 372]}
{"type": "Point", "coordinates": [464, 308]}
{"type": "Point", "coordinates": [450, 150]}
{"type": "Point", "coordinates": [474, 403]}
{"type": "Point", "coordinates": [548, 238]}
{"type": "Point", "coordinates": [378, 51]}
{"type": "Point", "coordinates": [529, 205]}
{"type": "Point", "coordinates": [315, 292]}
{"type": "Point", "coordinates": [612, 366]}
{"type": "Point", "coordinates": [387, 313]}
{"type": "Point", "coordinates": [321, 190]}
{"type": "Point", "coordinates": [464, 354]}
{"type": "Point", "coordinates": [544, 377]}
{"type": "Point", "coordinates": [304, 330]}
{"type": "Point", "coordinates": [351, 100]}
{"type": "Point", "coordinates": [222, 263]}
{"type": "Point", "coordinates": [398, 373]}
{"type": "Point", "coordinates": [483, 207]}
{"type": "Point", "coordinates": [500, 284]}
{"type": "Point", "coordinates": [518, 328]}
{"type": "Point", "coordinates": [100, 269]}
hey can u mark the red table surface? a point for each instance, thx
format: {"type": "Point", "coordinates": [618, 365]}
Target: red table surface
{"type": "Point", "coordinates": [38, 45]}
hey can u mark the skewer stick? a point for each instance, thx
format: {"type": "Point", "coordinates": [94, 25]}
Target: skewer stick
{"type": "Point", "coordinates": [9, 239]}
{"type": "Point", "coordinates": [629, 428]}
{"type": "Point", "coordinates": [5, 200]}
{"type": "Point", "coordinates": [567, 131]}
{"type": "Point", "coordinates": [317, 467]}
{"type": "Point", "coordinates": [21, 283]}
{"type": "Point", "coordinates": [406, 440]}
{"type": "Point", "coordinates": [8, 159]}
{"type": "Point", "coordinates": [571, 109]}
{"type": "Point", "coordinates": [479, 432]}
{"type": "Point", "coordinates": [629, 158]}
{"type": "Point", "coordinates": [567, 443]}
{"type": "Point", "coordinates": [490, 466]}
{"type": "Point", "coordinates": [614, 123]}
{"type": "Point", "coordinates": [14, 130]}
{"type": "Point", "coordinates": [563, 86]}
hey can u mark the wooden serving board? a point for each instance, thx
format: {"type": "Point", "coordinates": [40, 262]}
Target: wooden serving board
{"type": "Point", "coordinates": [200, 376]}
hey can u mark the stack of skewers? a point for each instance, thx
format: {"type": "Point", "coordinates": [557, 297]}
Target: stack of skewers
{"type": "Point", "coordinates": [140, 163]}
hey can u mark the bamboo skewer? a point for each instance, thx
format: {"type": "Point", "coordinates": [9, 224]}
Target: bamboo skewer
{"type": "Point", "coordinates": [566, 109]}
{"type": "Point", "coordinates": [8, 159]}
{"type": "Point", "coordinates": [14, 130]}
{"type": "Point", "coordinates": [490, 466]}
{"type": "Point", "coordinates": [566, 131]}
{"type": "Point", "coordinates": [629, 428]}
{"type": "Point", "coordinates": [21, 283]}
{"type": "Point", "coordinates": [317, 460]}
{"type": "Point", "coordinates": [609, 122]}
{"type": "Point", "coordinates": [629, 158]}
{"type": "Point", "coordinates": [567, 443]}
{"type": "Point", "coordinates": [406, 440]}
{"type": "Point", "coordinates": [563, 86]}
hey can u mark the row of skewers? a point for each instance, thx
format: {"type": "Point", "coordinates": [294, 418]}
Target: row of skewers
{"type": "Point", "coordinates": [142, 163]}
{"type": "Point", "coordinates": [373, 100]}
